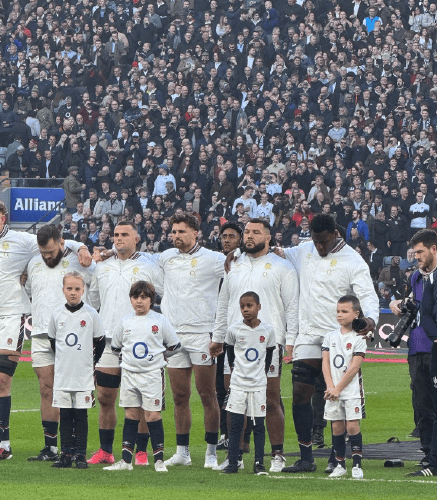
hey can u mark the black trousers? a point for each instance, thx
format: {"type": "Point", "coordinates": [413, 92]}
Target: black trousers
{"type": "Point", "coordinates": [433, 373]}
{"type": "Point", "coordinates": [422, 386]}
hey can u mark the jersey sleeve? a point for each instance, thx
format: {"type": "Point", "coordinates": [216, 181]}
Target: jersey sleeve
{"type": "Point", "coordinates": [51, 332]}
{"type": "Point", "coordinates": [169, 337]}
{"type": "Point", "coordinates": [363, 288]}
{"type": "Point", "coordinates": [117, 335]}
{"type": "Point", "coordinates": [272, 337]}
{"type": "Point", "coordinates": [230, 336]}
{"type": "Point", "coordinates": [219, 266]}
{"type": "Point", "coordinates": [93, 294]}
{"type": "Point", "coordinates": [290, 299]}
{"type": "Point", "coordinates": [98, 330]}
{"type": "Point", "coordinates": [221, 318]}
{"type": "Point", "coordinates": [326, 342]}
{"type": "Point", "coordinates": [360, 346]}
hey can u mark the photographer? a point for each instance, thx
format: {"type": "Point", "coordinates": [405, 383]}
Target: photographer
{"type": "Point", "coordinates": [424, 244]}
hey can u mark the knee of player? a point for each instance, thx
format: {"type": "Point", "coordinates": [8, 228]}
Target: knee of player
{"type": "Point", "coordinates": [5, 384]}
{"type": "Point", "coordinates": [353, 427]}
{"type": "Point", "coordinates": [208, 398]}
{"type": "Point", "coordinates": [106, 399]}
{"type": "Point", "coordinates": [181, 398]}
{"type": "Point", "coordinates": [46, 391]}
{"type": "Point", "coordinates": [301, 395]}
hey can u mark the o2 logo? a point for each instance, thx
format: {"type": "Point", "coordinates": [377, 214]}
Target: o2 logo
{"type": "Point", "coordinates": [140, 350]}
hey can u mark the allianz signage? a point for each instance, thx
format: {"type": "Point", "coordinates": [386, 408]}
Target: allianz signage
{"type": "Point", "coordinates": [31, 204]}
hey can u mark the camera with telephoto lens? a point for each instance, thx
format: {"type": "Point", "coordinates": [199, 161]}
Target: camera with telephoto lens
{"type": "Point", "coordinates": [409, 309]}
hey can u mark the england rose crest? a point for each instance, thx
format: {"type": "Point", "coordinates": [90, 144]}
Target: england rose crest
{"type": "Point", "coordinates": [262, 339]}
{"type": "Point", "coordinates": [155, 328]}
{"type": "Point", "coordinates": [349, 346]}
{"type": "Point", "coordinates": [83, 323]}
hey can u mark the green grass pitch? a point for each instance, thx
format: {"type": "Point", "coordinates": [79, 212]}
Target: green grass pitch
{"type": "Point", "coordinates": [389, 414]}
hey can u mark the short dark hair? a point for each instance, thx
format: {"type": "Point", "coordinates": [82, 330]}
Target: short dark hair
{"type": "Point", "coordinates": [142, 287]}
{"type": "Point", "coordinates": [254, 295]}
{"type": "Point", "coordinates": [321, 223]}
{"type": "Point", "coordinates": [47, 233]}
{"type": "Point", "coordinates": [260, 221]}
{"type": "Point", "coordinates": [127, 223]}
{"type": "Point", "coordinates": [189, 219]}
{"type": "Point", "coordinates": [354, 301]}
{"type": "Point", "coordinates": [428, 237]}
{"type": "Point", "coordinates": [232, 225]}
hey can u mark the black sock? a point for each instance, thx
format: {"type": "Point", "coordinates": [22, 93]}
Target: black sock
{"type": "Point", "coordinates": [182, 439]}
{"type": "Point", "coordinates": [142, 441]}
{"type": "Point", "coordinates": [303, 423]}
{"type": "Point", "coordinates": [234, 433]}
{"type": "Point", "coordinates": [5, 412]}
{"type": "Point", "coordinates": [277, 449]}
{"type": "Point", "coordinates": [339, 445]}
{"type": "Point", "coordinates": [81, 431]}
{"type": "Point", "coordinates": [248, 430]}
{"type": "Point", "coordinates": [332, 459]}
{"type": "Point", "coordinates": [211, 437]}
{"type": "Point", "coordinates": [106, 439]}
{"type": "Point", "coordinates": [259, 439]}
{"type": "Point", "coordinates": [130, 430]}
{"type": "Point", "coordinates": [357, 448]}
{"type": "Point", "coordinates": [50, 433]}
{"type": "Point", "coordinates": [66, 426]}
{"type": "Point", "coordinates": [240, 455]}
{"type": "Point", "coordinates": [156, 430]}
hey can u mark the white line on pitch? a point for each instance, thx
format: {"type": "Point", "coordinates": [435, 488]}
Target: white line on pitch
{"type": "Point", "coordinates": [22, 411]}
{"type": "Point", "coordinates": [292, 476]}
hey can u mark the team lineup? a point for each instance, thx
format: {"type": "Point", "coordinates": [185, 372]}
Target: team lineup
{"type": "Point", "coordinates": [245, 307]}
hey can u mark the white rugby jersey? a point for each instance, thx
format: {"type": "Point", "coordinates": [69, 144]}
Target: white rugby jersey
{"type": "Point", "coordinates": [323, 280]}
{"type": "Point", "coordinates": [342, 348]}
{"type": "Point", "coordinates": [74, 333]}
{"type": "Point", "coordinates": [250, 346]}
{"type": "Point", "coordinates": [111, 283]}
{"type": "Point", "coordinates": [143, 340]}
{"type": "Point", "coordinates": [44, 285]}
{"type": "Point", "coordinates": [191, 285]}
{"type": "Point", "coordinates": [274, 280]}
{"type": "Point", "coordinates": [16, 250]}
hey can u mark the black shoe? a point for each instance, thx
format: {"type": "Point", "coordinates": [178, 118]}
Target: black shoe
{"type": "Point", "coordinates": [222, 445]}
{"type": "Point", "coordinates": [317, 437]}
{"type": "Point", "coordinates": [45, 455]}
{"type": "Point", "coordinates": [426, 472]}
{"type": "Point", "coordinates": [230, 469]}
{"type": "Point", "coordinates": [301, 466]}
{"type": "Point", "coordinates": [330, 467]}
{"type": "Point", "coordinates": [414, 434]}
{"type": "Point", "coordinates": [259, 469]}
{"type": "Point", "coordinates": [64, 462]}
{"type": "Point", "coordinates": [424, 463]}
{"type": "Point", "coordinates": [81, 462]}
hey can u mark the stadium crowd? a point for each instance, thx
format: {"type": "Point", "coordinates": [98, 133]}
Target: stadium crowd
{"type": "Point", "coordinates": [230, 110]}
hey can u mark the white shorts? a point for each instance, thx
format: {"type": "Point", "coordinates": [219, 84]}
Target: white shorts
{"type": "Point", "coordinates": [109, 359]}
{"type": "Point", "coordinates": [346, 409]}
{"type": "Point", "coordinates": [308, 347]}
{"type": "Point", "coordinates": [42, 352]}
{"type": "Point", "coordinates": [194, 351]}
{"type": "Point", "coordinates": [252, 404]}
{"type": "Point", "coordinates": [275, 369]}
{"type": "Point", "coordinates": [143, 390]}
{"type": "Point", "coordinates": [12, 332]}
{"type": "Point", "coordinates": [73, 399]}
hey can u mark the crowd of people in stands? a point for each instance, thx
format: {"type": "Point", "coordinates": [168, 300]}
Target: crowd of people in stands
{"type": "Point", "coordinates": [229, 109]}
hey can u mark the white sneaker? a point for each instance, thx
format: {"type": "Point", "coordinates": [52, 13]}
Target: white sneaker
{"type": "Point", "coordinates": [278, 463]}
{"type": "Point", "coordinates": [357, 472]}
{"type": "Point", "coordinates": [338, 472]}
{"type": "Point", "coordinates": [178, 459]}
{"type": "Point", "coordinates": [160, 466]}
{"type": "Point", "coordinates": [226, 463]}
{"type": "Point", "coordinates": [122, 465]}
{"type": "Point", "coordinates": [210, 461]}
